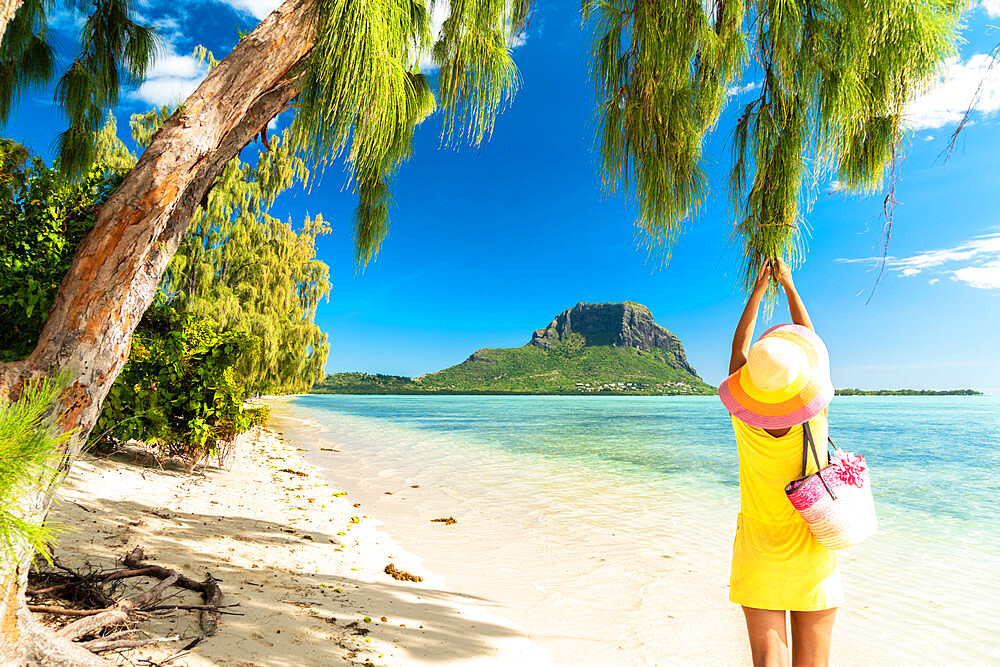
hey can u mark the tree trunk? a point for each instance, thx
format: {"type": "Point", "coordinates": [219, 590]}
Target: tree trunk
{"type": "Point", "coordinates": [7, 10]}
{"type": "Point", "coordinates": [117, 267]}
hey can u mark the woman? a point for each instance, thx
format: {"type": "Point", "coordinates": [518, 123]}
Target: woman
{"type": "Point", "coordinates": [778, 567]}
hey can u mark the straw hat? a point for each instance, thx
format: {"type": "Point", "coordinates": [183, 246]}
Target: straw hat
{"type": "Point", "coordinates": [785, 381]}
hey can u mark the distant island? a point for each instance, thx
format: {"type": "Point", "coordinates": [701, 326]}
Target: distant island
{"type": "Point", "coordinates": [908, 392]}
{"type": "Point", "coordinates": [590, 349]}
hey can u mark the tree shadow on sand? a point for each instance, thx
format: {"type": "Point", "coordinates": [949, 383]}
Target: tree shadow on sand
{"type": "Point", "coordinates": [320, 625]}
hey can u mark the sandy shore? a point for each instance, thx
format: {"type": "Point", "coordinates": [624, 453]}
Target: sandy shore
{"type": "Point", "coordinates": [303, 564]}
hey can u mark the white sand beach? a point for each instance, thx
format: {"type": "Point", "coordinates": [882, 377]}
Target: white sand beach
{"type": "Point", "coordinates": [303, 573]}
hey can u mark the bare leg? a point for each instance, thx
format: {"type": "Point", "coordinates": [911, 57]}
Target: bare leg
{"type": "Point", "coordinates": [768, 637]}
{"type": "Point", "coordinates": [811, 632]}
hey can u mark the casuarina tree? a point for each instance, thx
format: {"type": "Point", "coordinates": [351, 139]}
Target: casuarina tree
{"type": "Point", "coordinates": [115, 49]}
{"type": "Point", "coordinates": [832, 79]}
{"type": "Point", "coordinates": [351, 67]}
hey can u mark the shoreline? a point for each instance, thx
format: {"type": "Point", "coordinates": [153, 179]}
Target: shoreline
{"type": "Point", "coordinates": [304, 565]}
{"type": "Point", "coordinates": [602, 559]}
{"type": "Point", "coordinates": [551, 562]}
{"type": "Point", "coordinates": [874, 393]}
{"type": "Point", "coordinates": [551, 566]}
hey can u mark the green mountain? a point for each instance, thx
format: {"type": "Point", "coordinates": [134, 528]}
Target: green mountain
{"type": "Point", "coordinates": [590, 348]}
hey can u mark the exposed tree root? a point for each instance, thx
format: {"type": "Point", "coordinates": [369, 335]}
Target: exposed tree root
{"type": "Point", "coordinates": [209, 589]}
{"type": "Point", "coordinates": [103, 624]}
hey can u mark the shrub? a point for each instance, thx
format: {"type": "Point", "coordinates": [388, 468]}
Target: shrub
{"type": "Point", "coordinates": [30, 449]}
{"type": "Point", "coordinates": [180, 389]}
{"type": "Point", "coordinates": [43, 217]}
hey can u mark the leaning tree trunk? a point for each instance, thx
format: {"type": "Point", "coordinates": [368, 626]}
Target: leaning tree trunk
{"type": "Point", "coordinates": [7, 10]}
{"type": "Point", "coordinates": [115, 272]}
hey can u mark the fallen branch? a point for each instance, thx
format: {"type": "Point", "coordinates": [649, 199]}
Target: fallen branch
{"type": "Point", "coordinates": [195, 607]}
{"type": "Point", "coordinates": [103, 644]}
{"type": "Point", "coordinates": [92, 624]}
{"type": "Point", "coordinates": [64, 611]}
{"type": "Point", "coordinates": [111, 576]}
{"type": "Point", "coordinates": [209, 588]}
{"type": "Point", "coordinates": [96, 625]}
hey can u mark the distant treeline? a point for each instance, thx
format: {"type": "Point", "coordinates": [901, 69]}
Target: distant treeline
{"type": "Point", "coordinates": [908, 392]}
{"type": "Point", "coordinates": [365, 383]}
{"type": "Point", "coordinates": [378, 383]}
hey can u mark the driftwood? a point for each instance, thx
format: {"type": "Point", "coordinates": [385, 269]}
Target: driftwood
{"type": "Point", "coordinates": [104, 578]}
{"type": "Point", "coordinates": [96, 612]}
{"type": "Point", "coordinates": [107, 644]}
{"type": "Point", "coordinates": [209, 588]}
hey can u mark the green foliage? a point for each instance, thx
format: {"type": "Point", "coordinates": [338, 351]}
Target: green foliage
{"type": "Point", "coordinates": [30, 450]}
{"type": "Point", "coordinates": [26, 56]}
{"type": "Point", "coordinates": [242, 268]}
{"type": "Point", "coordinates": [248, 271]}
{"type": "Point", "coordinates": [251, 272]}
{"type": "Point", "coordinates": [43, 216]}
{"type": "Point", "coordinates": [564, 369]}
{"type": "Point", "coordinates": [145, 125]}
{"type": "Point", "coordinates": [181, 388]}
{"type": "Point", "coordinates": [362, 92]}
{"type": "Point", "coordinates": [114, 49]}
{"type": "Point", "coordinates": [534, 370]}
{"type": "Point", "coordinates": [661, 70]}
{"type": "Point", "coordinates": [477, 75]}
{"type": "Point", "coordinates": [362, 95]}
{"type": "Point", "coordinates": [836, 76]}
{"type": "Point", "coordinates": [365, 383]}
{"type": "Point", "coordinates": [247, 324]}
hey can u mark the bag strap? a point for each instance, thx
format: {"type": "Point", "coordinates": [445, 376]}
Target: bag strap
{"type": "Point", "coordinates": [807, 444]}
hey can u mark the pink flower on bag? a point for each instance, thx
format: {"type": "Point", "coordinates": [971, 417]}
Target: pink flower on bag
{"type": "Point", "coordinates": [849, 467]}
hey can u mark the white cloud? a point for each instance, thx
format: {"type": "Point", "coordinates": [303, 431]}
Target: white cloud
{"type": "Point", "coordinates": [753, 85]}
{"type": "Point", "coordinates": [66, 18]}
{"type": "Point", "coordinates": [834, 187]}
{"type": "Point", "coordinates": [983, 277]}
{"type": "Point", "coordinates": [975, 262]}
{"type": "Point", "coordinates": [441, 12]}
{"type": "Point", "coordinates": [256, 8]}
{"type": "Point", "coordinates": [992, 7]}
{"type": "Point", "coordinates": [933, 281]}
{"type": "Point", "coordinates": [946, 101]}
{"type": "Point", "coordinates": [172, 78]}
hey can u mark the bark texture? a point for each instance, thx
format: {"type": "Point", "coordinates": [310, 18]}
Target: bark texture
{"type": "Point", "coordinates": [7, 10]}
{"type": "Point", "coordinates": [117, 267]}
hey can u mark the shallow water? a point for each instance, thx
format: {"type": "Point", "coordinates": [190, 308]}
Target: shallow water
{"type": "Point", "coordinates": [604, 525]}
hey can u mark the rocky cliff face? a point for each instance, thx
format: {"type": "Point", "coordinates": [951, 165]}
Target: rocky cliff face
{"type": "Point", "coordinates": [624, 324]}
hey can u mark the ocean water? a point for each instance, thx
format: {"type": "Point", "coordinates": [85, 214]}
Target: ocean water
{"type": "Point", "coordinates": [603, 525]}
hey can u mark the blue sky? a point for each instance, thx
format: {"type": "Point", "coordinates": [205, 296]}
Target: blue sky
{"type": "Point", "coordinates": [488, 244]}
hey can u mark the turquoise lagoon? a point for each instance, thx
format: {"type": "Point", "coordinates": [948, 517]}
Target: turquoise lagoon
{"type": "Point", "coordinates": [602, 525]}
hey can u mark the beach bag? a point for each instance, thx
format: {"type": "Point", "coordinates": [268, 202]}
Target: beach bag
{"type": "Point", "coordinates": [835, 502]}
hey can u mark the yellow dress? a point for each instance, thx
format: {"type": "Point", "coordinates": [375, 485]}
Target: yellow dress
{"type": "Point", "coordinates": [777, 563]}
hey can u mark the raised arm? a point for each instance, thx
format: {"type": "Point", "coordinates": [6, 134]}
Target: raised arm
{"type": "Point", "coordinates": [744, 330]}
{"type": "Point", "coordinates": [796, 308]}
